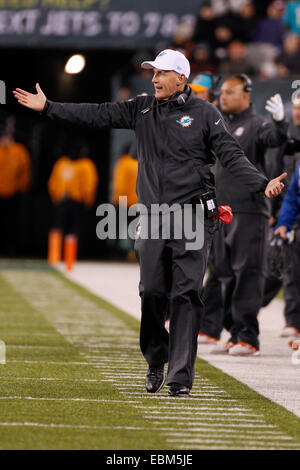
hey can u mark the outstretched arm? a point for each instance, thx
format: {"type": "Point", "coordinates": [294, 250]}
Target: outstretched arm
{"type": "Point", "coordinates": [120, 115]}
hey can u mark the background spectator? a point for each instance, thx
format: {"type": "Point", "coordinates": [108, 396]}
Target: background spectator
{"type": "Point", "coordinates": [202, 59]}
{"type": "Point", "coordinates": [269, 29]}
{"type": "Point", "coordinates": [15, 179]}
{"type": "Point", "coordinates": [288, 62]}
{"type": "Point", "coordinates": [220, 7]}
{"type": "Point", "coordinates": [124, 184]}
{"type": "Point", "coordinates": [131, 71]}
{"type": "Point", "coordinates": [182, 39]}
{"type": "Point", "coordinates": [291, 18]}
{"type": "Point", "coordinates": [205, 24]}
{"type": "Point", "coordinates": [237, 61]}
{"type": "Point", "coordinates": [72, 186]}
{"type": "Point", "coordinates": [248, 19]}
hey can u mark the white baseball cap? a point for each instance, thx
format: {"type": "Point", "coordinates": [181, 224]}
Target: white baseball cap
{"type": "Point", "coordinates": [170, 60]}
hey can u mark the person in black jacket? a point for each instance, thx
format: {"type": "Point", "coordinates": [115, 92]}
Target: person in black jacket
{"type": "Point", "coordinates": [176, 137]}
{"type": "Point", "coordinates": [287, 157]}
{"type": "Point", "coordinates": [240, 248]}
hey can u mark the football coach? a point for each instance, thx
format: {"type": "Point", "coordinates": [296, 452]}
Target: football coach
{"type": "Point", "coordinates": [178, 137]}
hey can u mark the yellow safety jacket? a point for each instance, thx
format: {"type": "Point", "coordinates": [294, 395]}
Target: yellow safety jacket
{"type": "Point", "coordinates": [124, 179]}
{"type": "Point", "coordinates": [76, 179]}
{"type": "Point", "coordinates": [15, 169]}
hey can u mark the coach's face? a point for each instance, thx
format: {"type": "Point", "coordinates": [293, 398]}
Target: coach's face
{"type": "Point", "coordinates": [166, 83]}
{"type": "Point", "coordinates": [233, 98]}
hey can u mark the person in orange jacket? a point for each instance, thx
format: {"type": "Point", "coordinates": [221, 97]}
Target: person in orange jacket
{"type": "Point", "coordinates": [124, 179]}
{"type": "Point", "coordinates": [72, 187]}
{"type": "Point", "coordinates": [15, 179]}
{"type": "Point", "coordinates": [124, 184]}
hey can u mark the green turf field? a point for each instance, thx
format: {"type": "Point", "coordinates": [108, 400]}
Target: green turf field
{"type": "Point", "coordinates": [74, 379]}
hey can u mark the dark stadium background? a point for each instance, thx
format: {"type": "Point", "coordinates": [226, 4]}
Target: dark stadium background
{"type": "Point", "coordinates": [42, 59]}
{"type": "Point", "coordinates": [47, 141]}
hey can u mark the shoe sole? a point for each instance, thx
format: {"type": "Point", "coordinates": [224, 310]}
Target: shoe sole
{"type": "Point", "coordinates": [206, 342]}
{"type": "Point", "coordinates": [219, 352]}
{"type": "Point", "coordinates": [257, 353]}
{"type": "Point", "coordinates": [180, 395]}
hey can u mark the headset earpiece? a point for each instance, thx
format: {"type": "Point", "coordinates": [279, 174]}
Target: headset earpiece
{"type": "Point", "coordinates": [246, 81]}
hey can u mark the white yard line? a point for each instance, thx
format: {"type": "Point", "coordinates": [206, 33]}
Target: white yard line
{"type": "Point", "coordinates": [271, 374]}
{"type": "Point", "coordinates": [74, 319]}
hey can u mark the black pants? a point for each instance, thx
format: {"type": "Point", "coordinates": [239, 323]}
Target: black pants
{"type": "Point", "coordinates": [71, 218]}
{"type": "Point", "coordinates": [171, 273]}
{"type": "Point", "coordinates": [10, 235]}
{"type": "Point", "coordinates": [240, 259]}
{"type": "Point", "coordinates": [291, 287]}
{"type": "Point", "coordinates": [212, 323]}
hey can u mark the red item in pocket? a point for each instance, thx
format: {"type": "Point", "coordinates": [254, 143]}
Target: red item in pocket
{"type": "Point", "coordinates": [225, 214]}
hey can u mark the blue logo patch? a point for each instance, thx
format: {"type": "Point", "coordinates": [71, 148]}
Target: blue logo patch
{"type": "Point", "coordinates": [185, 121]}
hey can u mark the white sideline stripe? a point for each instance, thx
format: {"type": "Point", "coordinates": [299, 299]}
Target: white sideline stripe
{"type": "Point", "coordinates": [125, 376]}
{"type": "Point", "coordinates": [191, 408]}
{"type": "Point", "coordinates": [52, 399]}
{"type": "Point", "coordinates": [205, 393]}
{"type": "Point", "coordinates": [221, 441]}
{"type": "Point", "coordinates": [110, 345]}
{"type": "Point", "coordinates": [230, 447]}
{"type": "Point", "coordinates": [46, 335]}
{"type": "Point", "coordinates": [217, 441]}
{"type": "Point", "coordinates": [194, 425]}
{"type": "Point", "coordinates": [172, 399]}
{"type": "Point", "coordinates": [53, 362]}
{"type": "Point", "coordinates": [211, 430]}
{"type": "Point", "coordinates": [199, 397]}
{"type": "Point", "coordinates": [29, 346]}
{"type": "Point", "coordinates": [76, 426]}
{"type": "Point", "coordinates": [183, 418]}
{"type": "Point", "coordinates": [111, 369]}
{"type": "Point", "coordinates": [237, 434]}
{"type": "Point", "coordinates": [208, 387]}
{"type": "Point", "coordinates": [210, 413]}
{"type": "Point", "coordinates": [50, 378]}
{"type": "Point", "coordinates": [83, 426]}
{"type": "Point", "coordinates": [142, 386]}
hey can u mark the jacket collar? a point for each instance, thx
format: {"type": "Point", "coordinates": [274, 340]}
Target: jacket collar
{"type": "Point", "coordinates": [236, 117]}
{"type": "Point", "coordinates": [173, 99]}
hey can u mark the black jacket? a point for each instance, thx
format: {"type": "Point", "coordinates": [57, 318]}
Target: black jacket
{"type": "Point", "coordinates": [285, 158]}
{"type": "Point", "coordinates": [254, 134]}
{"type": "Point", "coordinates": [175, 144]}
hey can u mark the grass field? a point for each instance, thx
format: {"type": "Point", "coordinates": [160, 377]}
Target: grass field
{"type": "Point", "coordinates": [74, 379]}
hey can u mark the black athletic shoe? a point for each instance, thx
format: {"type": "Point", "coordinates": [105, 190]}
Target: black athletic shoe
{"type": "Point", "coordinates": [178, 390]}
{"type": "Point", "coordinates": [155, 379]}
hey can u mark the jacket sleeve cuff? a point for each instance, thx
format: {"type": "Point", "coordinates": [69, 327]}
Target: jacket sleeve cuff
{"type": "Point", "coordinates": [46, 107]}
{"type": "Point", "coordinates": [283, 124]}
{"type": "Point", "coordinates": [264, 185]}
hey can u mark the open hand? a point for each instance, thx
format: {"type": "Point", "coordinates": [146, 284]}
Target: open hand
{"type": "Point", "coordinates": [281, 231]}
{"type": "Point", "coordinates": [275, 186]}
{"type": "Point", "coordinates": [35, 102]}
